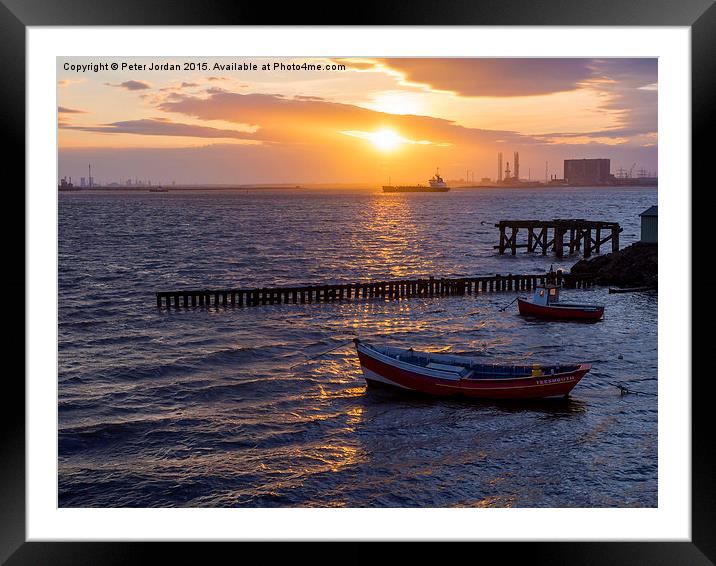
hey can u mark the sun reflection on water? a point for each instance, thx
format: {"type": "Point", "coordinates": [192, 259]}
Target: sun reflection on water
{"type": "Point", "coordinates": [390, 239]}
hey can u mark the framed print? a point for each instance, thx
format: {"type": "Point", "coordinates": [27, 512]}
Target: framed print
{"type": "Point", "coordinates": [397, 280]}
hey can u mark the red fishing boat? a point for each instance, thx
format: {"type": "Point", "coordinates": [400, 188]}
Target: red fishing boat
{"type": "Point", "coordinates": [445, 375]}
{"type": "Point", "coordinates": [546, 303]}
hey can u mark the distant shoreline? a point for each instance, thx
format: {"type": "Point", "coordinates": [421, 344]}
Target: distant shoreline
{"type": "Point", "coordinates": [329, 186]}
{"type": "Point", "coordinates": [184, 188]}
{"type": "Point", "coordinates": [543, 186]}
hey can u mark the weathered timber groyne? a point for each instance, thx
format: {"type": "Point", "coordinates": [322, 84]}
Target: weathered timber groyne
{"type": "Point", "coordinates": [407, 288]}
{"type": "Point", "coordinates": [573, 234]}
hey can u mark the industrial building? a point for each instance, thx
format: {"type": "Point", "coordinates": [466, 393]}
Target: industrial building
{"type": "Point", "coordinates": [508, 176]}
{"type": "Point", "coordinates": [587, 171]}
{"type": "Point", "coordinates": [650, 225]}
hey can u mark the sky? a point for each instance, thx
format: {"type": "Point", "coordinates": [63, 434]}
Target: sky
{"type": "Point", "coordinates": [356, 120]}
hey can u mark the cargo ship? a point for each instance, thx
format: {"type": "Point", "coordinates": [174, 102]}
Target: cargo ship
{"type": "Point", "coordinates": [436, 185]}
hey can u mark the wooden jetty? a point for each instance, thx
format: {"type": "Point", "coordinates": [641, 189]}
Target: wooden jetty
{"type": "Point", "coordinates": [558, 234]}
{"type": "Point", "coordinates": [398, 289]}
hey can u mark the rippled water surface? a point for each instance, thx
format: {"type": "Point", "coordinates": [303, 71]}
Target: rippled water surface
{"type": "Point", "coordinates": [237, 406]}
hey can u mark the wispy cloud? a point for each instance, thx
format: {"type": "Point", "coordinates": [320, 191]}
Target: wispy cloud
{"type": "Point", "coordinates": [161, 127]}
{"type": "Point", "coordinates": [629, 89]}
{"type": "Point", "coordinates": [65, 110]}
{"type": "Point", "coordinates": [131, 85]}
{"type": "Point", "coordinates": [68, 82]}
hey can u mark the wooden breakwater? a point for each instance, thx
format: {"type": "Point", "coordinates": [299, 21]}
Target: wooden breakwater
{"type": "Point", "coordinates": [544, 235]}
{"type": "Point", "coordinates": [398, 289]}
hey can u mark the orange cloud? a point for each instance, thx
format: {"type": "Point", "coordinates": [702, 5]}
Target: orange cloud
{"type": "Point", "coordinates": [308, 119]}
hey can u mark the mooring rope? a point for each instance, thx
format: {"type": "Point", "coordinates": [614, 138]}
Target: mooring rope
{"type": "Point", "coordinates": [311, 358]}
{"type": "Point", "coordinates": [503, 309]}
{"type": "Point", "coordinates": [624, 390]}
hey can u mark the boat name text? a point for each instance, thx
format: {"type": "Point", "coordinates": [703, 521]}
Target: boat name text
{"type": "Point", "coordinates": [555, 380]}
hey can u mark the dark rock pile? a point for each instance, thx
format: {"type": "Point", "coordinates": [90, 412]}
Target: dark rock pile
{"type": "Point", "coordinates": [633, 266]}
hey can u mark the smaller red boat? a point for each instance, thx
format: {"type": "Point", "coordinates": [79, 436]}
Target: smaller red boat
{"type": "Point", "coordinates": [546, 303]}
{"type": "Point", "coordinates": [445, 375]}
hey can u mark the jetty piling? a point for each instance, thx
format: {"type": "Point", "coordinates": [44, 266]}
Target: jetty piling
{"type": "Point", "coordinates": [573, 234]}
{"type": "Point", "coordinates": [399, 289]}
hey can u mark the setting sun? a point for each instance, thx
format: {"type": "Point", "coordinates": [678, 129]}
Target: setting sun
{"type": "Point", "coordinates": [385, 139]}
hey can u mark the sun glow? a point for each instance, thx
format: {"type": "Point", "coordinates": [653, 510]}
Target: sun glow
{"type": "Point", "coordinates": [397, 102]}
{"type": "Point", "coordinates": [385, 139]}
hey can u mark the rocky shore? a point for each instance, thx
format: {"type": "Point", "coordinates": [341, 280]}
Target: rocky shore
{"type": "Point", "coordinates": [633, 266]}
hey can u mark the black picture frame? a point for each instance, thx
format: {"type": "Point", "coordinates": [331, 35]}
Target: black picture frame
{"type": "Point", "coordinates": [16, 15]}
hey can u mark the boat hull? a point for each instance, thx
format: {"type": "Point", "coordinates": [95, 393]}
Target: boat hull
{"type": "Point", "coordinates": [563, 312]}
{"type": "Point", "coordinates": [631, 289]}
{"type": "Point", "coordinates": [382, 369]}
{"type": "Point", "coordinates": [417, 189]}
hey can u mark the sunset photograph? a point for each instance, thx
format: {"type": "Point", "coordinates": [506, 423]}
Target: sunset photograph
{"type": "Point", "coordinates": [357, 282]}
